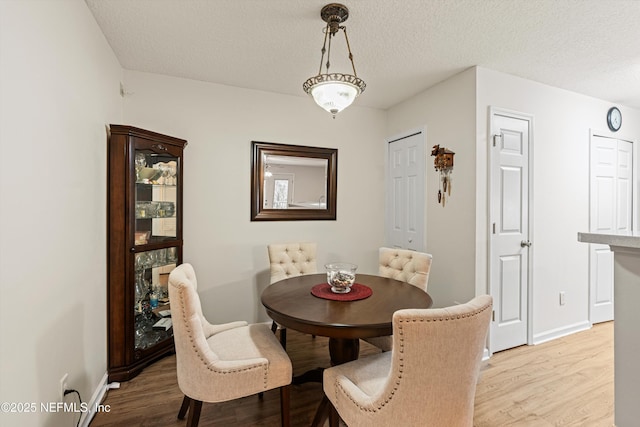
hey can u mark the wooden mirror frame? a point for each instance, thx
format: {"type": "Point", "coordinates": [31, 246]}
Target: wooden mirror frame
{"type": "Point", "coordinates": [260, 150]}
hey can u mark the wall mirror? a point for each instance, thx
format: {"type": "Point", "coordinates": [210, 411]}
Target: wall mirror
{"type": "Point", "coordinates": [293, 182]}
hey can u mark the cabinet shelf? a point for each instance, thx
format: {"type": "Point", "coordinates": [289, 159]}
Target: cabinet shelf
{"type": "Point", "coordinates": [145, 244]}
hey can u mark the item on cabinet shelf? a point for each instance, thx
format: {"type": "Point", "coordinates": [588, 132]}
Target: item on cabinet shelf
{"type": "Point", "coordinates": [141, 210]}
{"type": "Point", "coordinates": [153, 298]}
{"type": "Point", "coordinates": [148, 175]}
{"type": "Point", "coordinates": [163, 324]}
{"type": "Point", "coordinates": [141, 237]}
{"type": "Point", "coordinates": [443, 163]}
{"type": "Point", "coordinates": [139, 263]}
{"type": "Point", "coordinates": [151, 209]}
{"type": "Point", "coordinates": [168, 208]}
{"type": "Point", "coordinates": [172, 255]}
{"type": "Point", "coordinates": [168, 172]}
{"type": "Point", "coordinates": [162, 257]}
{"type": "Point", "coordinates": [141, 289]}
{"type": "Point", "coordinates": [140, 163]}
{"type": "Point", "coordinates": [147, 210]}
{"type": "Point", "coordinates": [151, 259]}
{"type": "Point", "coordinates": [164, 313]}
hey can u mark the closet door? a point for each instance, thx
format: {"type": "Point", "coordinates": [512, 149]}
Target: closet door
{"type": "Point", "coordinates": [610, 212]}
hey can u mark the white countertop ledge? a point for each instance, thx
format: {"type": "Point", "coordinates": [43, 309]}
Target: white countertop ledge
{"type": "Point", "coordinates": [621, 240]}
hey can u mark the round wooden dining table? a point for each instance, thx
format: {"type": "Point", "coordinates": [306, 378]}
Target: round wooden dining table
{"type": "Point", "coordinates": [290, 303]}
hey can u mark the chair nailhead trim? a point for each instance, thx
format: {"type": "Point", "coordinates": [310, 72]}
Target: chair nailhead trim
{"type": "Point", "coordinates": [338, 387]}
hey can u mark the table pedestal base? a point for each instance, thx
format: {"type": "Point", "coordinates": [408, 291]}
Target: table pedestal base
{"type": "Point", "coordinates": [342, 350]}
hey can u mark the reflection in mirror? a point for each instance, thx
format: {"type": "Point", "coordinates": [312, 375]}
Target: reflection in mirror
{"type": "Point", "coordinates": [291, 182]}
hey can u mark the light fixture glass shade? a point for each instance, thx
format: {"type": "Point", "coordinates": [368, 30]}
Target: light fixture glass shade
{"type": "Point", "coordinates": [334, 96]}
{"type": "Point", "coordinates": [334, 92]}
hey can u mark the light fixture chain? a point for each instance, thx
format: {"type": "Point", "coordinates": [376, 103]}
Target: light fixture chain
{"type": "Point", "coordinates": [329, 53]}
{"type": "Point", "coordinates": [324, 45]}
{"type": "Point", "coordinates": [344, 30]}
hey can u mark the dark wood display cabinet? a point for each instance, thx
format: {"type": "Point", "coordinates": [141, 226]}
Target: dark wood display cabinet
{"type": "Point", "coordinates": [145, 243]}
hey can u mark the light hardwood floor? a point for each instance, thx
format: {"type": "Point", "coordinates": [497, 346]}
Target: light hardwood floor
{"type": "Point", "coordinates": [564, 382]}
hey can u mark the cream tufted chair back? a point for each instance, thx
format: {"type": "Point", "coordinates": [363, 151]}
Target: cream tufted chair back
{"type": "Point", "coordinates": [405, 265]}
{"type": "Point", "coordinates": [429, 378]}
{"type": "Point", "coordinates": [292, 259]}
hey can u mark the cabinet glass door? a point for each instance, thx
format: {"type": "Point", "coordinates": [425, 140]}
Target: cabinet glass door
{"type": "Point", "coordinates": [156, 197]}
{"type": "Point", "coordinates": [151, 296]}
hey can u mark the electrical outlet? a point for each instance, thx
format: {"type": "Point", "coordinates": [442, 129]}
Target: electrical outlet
{"type": "Point", "coordinates": [63, 386]}
{"type": "Point", "coordinates": [562, 298]}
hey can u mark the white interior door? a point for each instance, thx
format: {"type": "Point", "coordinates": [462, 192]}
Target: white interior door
{"type": "Point", "coordinates": [405, 220]}
{"type": "Point", "coordinates": [509, 229]}
{"type": "Point", "coordinates": [610, 200]}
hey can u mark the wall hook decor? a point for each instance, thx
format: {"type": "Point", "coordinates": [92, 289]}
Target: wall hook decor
{"type": "Point", "coordinates": [443, 163]}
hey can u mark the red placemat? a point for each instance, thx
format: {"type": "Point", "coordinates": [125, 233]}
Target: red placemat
{"type": "Point", "coordinates": [358, 291]}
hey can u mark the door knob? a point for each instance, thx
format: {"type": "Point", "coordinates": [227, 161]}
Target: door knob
{"type": "Point", "coordinates": [525, 243]}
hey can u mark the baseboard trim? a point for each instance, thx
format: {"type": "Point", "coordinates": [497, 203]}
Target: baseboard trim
{"type": "Point", "coordinates": [561, 332]}
{"type": "Point", "coordinates": [97, 397]}
{"type": "Point", "coordinates": [485, 354]}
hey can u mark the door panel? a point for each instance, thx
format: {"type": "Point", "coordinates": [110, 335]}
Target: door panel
{"type": "Point", "coordinates": [509, 216]}
{"type": "Point", "coordinates": [611, 170]}
{"type": "Point", "coordinates": [405, 210]}
{"type": "Point", "coordinates": [511, 196]}
{"type": "Point", "coordinates": [510, 273]}
{"type": "Point", "coordinates": [603, 261]}
{"type": "Point", "coordinates": [624, 187]}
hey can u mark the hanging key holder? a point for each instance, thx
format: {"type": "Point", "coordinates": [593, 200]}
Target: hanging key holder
{"type": "Point", "coordinates": [443, 164]}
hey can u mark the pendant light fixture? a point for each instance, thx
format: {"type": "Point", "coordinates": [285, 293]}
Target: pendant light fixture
{"type": "Point", "coordinates": [334, 91]}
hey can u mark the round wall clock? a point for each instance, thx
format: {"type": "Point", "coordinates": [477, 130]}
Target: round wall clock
{"type": "Point", "coordinates": [614, 119]}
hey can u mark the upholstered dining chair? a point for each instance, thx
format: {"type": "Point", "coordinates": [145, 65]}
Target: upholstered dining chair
{"type": "Point", "coordinates": [218, 363]}
{"type": "Point", "coordinates": [404, 265]}
{"type": "Point", "coordinates": [428, 378]}
{"type": "Point", "coordinates": [290, 260]}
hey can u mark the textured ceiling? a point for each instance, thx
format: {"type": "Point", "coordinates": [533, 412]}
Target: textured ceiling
{"type": "Point", "coordinates": [400, 47]}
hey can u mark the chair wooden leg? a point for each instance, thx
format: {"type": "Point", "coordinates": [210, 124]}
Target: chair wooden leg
{"type": "Point", "coordinates": [322, 413]}
{"type": "Point", "coordinates": [285, 392]}
{"type": "Point", "coordinates": [194, 413]}
{"type": "Point", "coordinates": [334, 418]}
{"type": "Point", "coordinates": [184, 407]}
{"type": "Point", "coordinates": [283, 337]}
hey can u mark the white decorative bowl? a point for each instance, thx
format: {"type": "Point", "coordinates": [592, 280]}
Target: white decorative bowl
{"type": "Point", "coordinates": [148, 174]}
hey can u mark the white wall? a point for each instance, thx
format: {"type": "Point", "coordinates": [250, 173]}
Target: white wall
{"type": "Point", "coordinates": [59, 83]}
{"type": "Point", "coordinates": [562, 122]}
{"type": "Point", "coordinates": [228, 251]}
{"type": "Point", "coordinates": [448, 111]}
{"type": "Point", "coordinates": [455, 113]}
